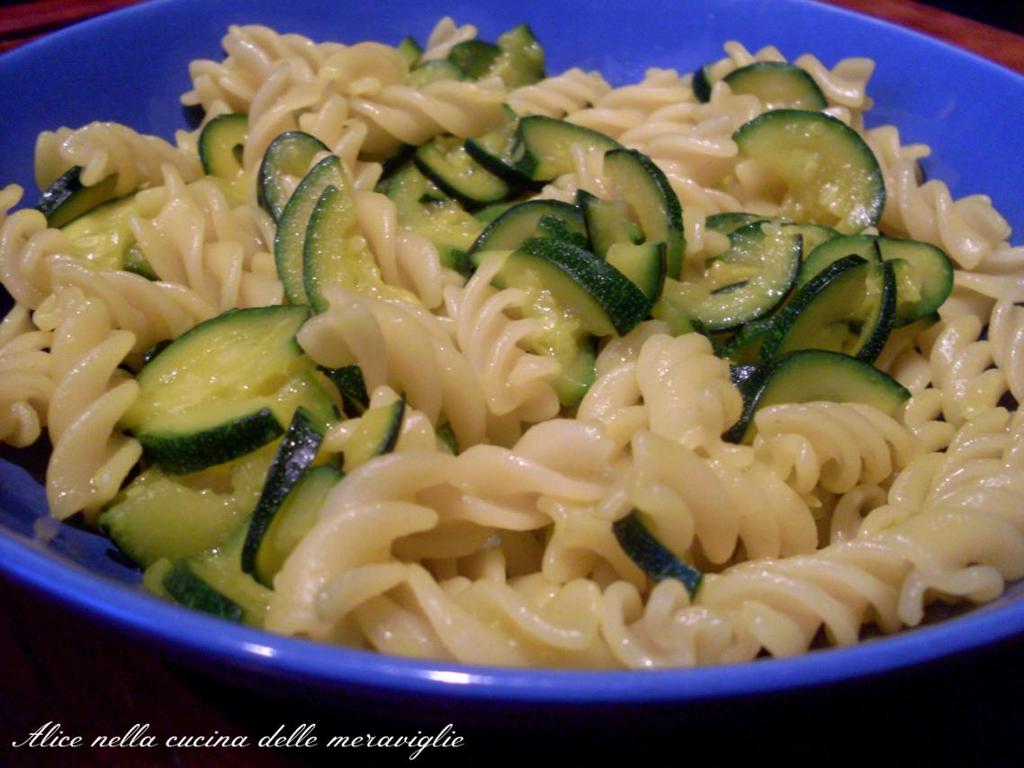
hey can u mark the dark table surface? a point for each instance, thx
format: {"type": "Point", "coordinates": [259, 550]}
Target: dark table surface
{"type": "Point", "coordinates": [61, 668]}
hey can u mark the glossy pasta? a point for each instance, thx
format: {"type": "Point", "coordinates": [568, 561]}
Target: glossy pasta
{"type": "Point", "coordinates": [836, 517]}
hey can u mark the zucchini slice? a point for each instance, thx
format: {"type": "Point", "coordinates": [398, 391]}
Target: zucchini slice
{"type": "Point", "coordinates": [813, 375]}
{"type": "Point", "coordinates": [743, 284]}
{"type": "Point", "coordinates": [607, 221]}
{"type": "Point", "coordinates": [645, 265]}
{"type": "Point", "coordinates": [220, 146]}
{"type": "Point", "coordinates": [225, 388]}
{"type": "Point", "coordinates": [67, 198]}
{"type": "Point", "coordinates": [423, 207]}
{"type": "Point", "coordinates": [445, 162]}
{"type": "Point", "coordinates": [213, 581]}
{"type": "Point", "coordinates": [744, 348]}
{"type": "Point", "coordinates": [294, 456]}
{"type": "Point", "coordinates": [637, 536]}
{"type": "Point", "coordinates": [376, 434]}
{"type": "Point", "coordinates": [703, 80]}
{"type": "Point", "coordinates": [778, 85]}
{"type": "Point", "coordinates": [494, 150]}
{"type": "Point", "coordinates": [289, 155]}
{"type": "Point", "coordinates": [290, 240]}
{"type": "Point", "coordinates": [103, 238]}
{"type": "Point", "coordinates": [433, 71]}
{"type": "Point", "coordinates": [410, 50]}
{"type": "Point", "coordinates": [189, 589]}
{"type": "Point", "coordinates": [163, 516]}
{"type": "Point", "coordinates": [847, 308]}
{"type": "Point", "coordinates": [603, 300]}
{"type": "Point", "coordinates": [521, 58]}
{"type": "Point", "coordinates": [924, 273]}
{"type": "Point", "coordinates": [334, 253]}
{"type": "Point", "coordinates": [534, 218]}
{"type": "Point", "coordinates": [474, 57]}
{"type": "Point", "coordinates": [351, 387]}
{"type": "Point", "coordinates": [727, 223]}
{"type": "Point", "coordinates": [294, 518]}
{"type": "Point", "coordinates": [542, 151]}
{"type": "Point", "coordinates": [821, 170]}
{"type": "Point", "coordinates": [651, 201]}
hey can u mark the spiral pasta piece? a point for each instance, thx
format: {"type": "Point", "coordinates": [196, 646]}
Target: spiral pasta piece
{"type": "Point", "coordinates": [110, 149]}
{"type": "Point", "coordinates": [90, 457]}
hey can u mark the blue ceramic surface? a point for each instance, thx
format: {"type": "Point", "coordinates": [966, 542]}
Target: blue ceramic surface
{"type": "Point", "coordinates": [131, 67]}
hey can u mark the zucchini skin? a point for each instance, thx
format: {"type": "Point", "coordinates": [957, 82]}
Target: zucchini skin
{"type": "Point", "coordinates": [652, 556]}
{"type": "Point", "coordinates": [819, 289]}
{"type": "Point", "coordinates": [181, 454]}
{"type": "Point", "coordinates": [191, 591]}
{"type": "Point", "coordinates": [521, 222]}
{"type": "Point", "coordinates": [809, 375]}
{"type": "Point", "coordinates": [290, 153]}
{"type": "Point", "coordinates": [67, 198]}
{"type": "Point", "coordinates": [294, 456]}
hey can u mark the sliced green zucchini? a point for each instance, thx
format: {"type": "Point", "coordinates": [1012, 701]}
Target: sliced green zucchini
{"type": "Point", "coordinates": [225, 388]}
{"type": "Point", "coordinates": [814, 375]}
{"type": "Point", "coordinates": [924, 277]}
{"type": "Point", "coordinates": [604, 301]}
{"type": "Point", "coordinates": [811, 235]}
{"type": "Point", "coordinates": [289, 155]}
{"type": "Point", "coordinates": [542, 151]}
{"type": "Point", "coordinates": [652, 202]}
{"type": "Point", "coordinates": [336, 254]}
{"type": "Point", "coordinates": [446, 439]}
{"type": "Point", "coordinates": [607, 222]}
{"type": "Point", "coordinates": [474, 57]}
{"type": "Point", "coordinates": [410, 51]}
{"type": "Point", "coordinates": [295, 517]}
{"type": "Point", "coordinates": [743, 284]}
{"type": "Point", "coordinates": [294, 456]}
{"type": "Point", "coordinates": [214, 581]}
{"type": "Point", "coordinates": [290, 240]}
{"type": "Point", "coordinates": [491, 212]}
{"type": "Point", "coordinates": [351, 387]}
{"type": "Point", "coordinates": [67, 198]}
{"type": "Point", "coordinates": [220, 146]}
{"type": "Point", "coordinates": [189, 589]}
{"type": "Point", "coordinates": [426, 209]}
{"type": "Point", "coordinates": [727, 223]}
{"type": "Point", "coordinates": [376, 434]}
{"type": "Point", "coordinates": [703, 80]}
{"type": "Point", "coordinates": [578, 372]}
{"type": "Point", "coordinates": [494, 150]}
{"type": "Point", "coordinates": [434, 71]}
{"type": "Point", "coordinates": [638, 537]}
{"type": "Point", "coordinates": [534, 218]}
{"type": "Point", "coordinates": [645, 265]}
{"type": "Point", "coordinates": [445, 162]}
{"type": "Point", "coordinates": [521, 58]}
{"type": "Point", "coordinates": [103, 237]}
{"type": "Point", "coordinates": [833, 250]}
{"type": "Point", "coordinates": [135, 261]}
{"type": "Point", "coordinates": [924, 273]}
{"type": "Point", "coordinates": [778, 85]}
{"type": "Point", "coordinates": [159, 516]}
{"type": "Point", "coordinates": [821, 170]}
{"type": "Point", "coordinates": [744, 348]}
{"type": "Point", "coordinates": [847, 308]}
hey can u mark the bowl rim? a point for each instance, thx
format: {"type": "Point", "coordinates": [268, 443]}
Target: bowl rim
{"type": "Point", "coordinates": [179, 629]}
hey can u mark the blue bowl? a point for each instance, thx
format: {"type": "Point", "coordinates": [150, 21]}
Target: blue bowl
{"type": "Point", "coordinates": [131, 66]}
